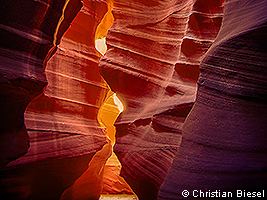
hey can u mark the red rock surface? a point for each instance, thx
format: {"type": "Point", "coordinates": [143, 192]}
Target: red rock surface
{"type": "Point", "coordinates": [155, 48]}
{"type": "Point", "coordinates": [152, 65]}
{"type": "Point", "coordinates": [62, 122]}
{"type": "Point", "coordinates": [224, 137]}
{"type": "Point", "coordinates": [75, 89]}
{"type": "Point", "coordinates": [29, 32]}
{"type": "Point", "coordinates": [88, 186]}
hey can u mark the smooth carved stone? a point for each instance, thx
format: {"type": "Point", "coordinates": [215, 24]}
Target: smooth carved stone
{"type": "Point", "coordinates": [62, 123]}
{"type": "Point", "coordinates": [145, 42]}
{"type": "Point", "coordinates": [209, 6]}
{"type": "Point", "coordinates": [224, 137]}
{"type": "Point", "coordinates": [29, 32]}
{"type": "Point", "coordinates": [146, 149]}
{"type": "Point", "coordinates": [75, 89]}
{"type": "Point", "coordinates": [67, 104]}
{"type": "Point", "coordinates": [88, 185]}
{"type": "Point", "coordinates": [203, 26]}
{"type": "Point", "coordinates": [42, 180]}
{"type": "Point", "coordinates": [113, 183]}
{"type": "Point", "coordinates": [144, 45]}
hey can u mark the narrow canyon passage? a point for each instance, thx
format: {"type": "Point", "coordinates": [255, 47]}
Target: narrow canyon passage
{"type": "Point", "coordinates": [123, 99]}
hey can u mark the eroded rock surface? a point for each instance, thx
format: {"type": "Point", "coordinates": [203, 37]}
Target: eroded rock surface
{"type": "Point", "coordinates": [224, 137]}
{"type": "Point", "coordinates": [62, 123]}
{"type": "Point", "coordinates": [75, 91]}
{"type": "Point", "coordinates": [152, 65]}
{"type": "Point", "coordinates": [155, 49]}
{"type": "Point", "coordinates": [30, 31]}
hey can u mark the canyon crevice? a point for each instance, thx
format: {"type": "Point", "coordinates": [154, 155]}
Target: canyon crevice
{"type": "Point", "coordinates": [191, 75]}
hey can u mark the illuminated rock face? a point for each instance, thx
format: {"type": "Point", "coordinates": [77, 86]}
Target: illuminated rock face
{"type": "Point", "coordinates": [75, 90]}
{"type": "Point", "coordinates": [224, 136]}
{"type": "Point", "coordinates": [62, 123]}
{"type": "Point", "coordinates": [29, 32]}
{"type": "Point", "coordinates": [155, 48]}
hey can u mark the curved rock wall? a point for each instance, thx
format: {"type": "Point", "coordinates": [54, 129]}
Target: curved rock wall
{"type": "Point", "coordinates": [224, 137]}
{"type": "Point", "coordinates": [155, 49]}
{"type": "Point", "coordinates": [62, 122]}
{"type": "Point", "coordinates": [74, 93]}
{"type": "Point", "coordinates": [151, 68]}
{"type": "Point", "coordinates": [30, 31]}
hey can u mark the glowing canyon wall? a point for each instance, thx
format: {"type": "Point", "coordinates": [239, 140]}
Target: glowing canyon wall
{"type": "Point", "coordinates": [152, 65]}
{"type": "Point", "coordinates": [62, 123]}
{"type": "Point", "coordinates": [165, 59]}
{"type": "Point", "coordinates": [29, 34]}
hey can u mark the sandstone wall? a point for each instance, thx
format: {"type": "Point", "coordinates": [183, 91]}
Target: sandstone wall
{"type": "Point", "coordinates": [30, 31]}
{"type": "Point", "coordinates": [224, 137]}
{"type": "Point", "coordinates": [155, 48]}
{"type": "Point", "coordinates": [62, 123]}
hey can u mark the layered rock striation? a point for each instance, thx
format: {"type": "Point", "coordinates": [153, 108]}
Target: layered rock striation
{"type": "Point", "coordinates": [223, 149]}
{"type": "Point", "coordinates": [30, 31]}
{"type": "Point", "coordinates": [62, 123]}
{"type": "Point", "coordinates": [155, 48]}
{"type": "Point", "coordinates": [75, 91]}
{"type": "Point", "coordinates": [154, 52]}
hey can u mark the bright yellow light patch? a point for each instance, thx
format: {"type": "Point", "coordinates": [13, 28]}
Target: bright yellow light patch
{"type": "Point", "coordinates": [108, 114]}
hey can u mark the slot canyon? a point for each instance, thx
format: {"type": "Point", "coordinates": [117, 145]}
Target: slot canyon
{"type": "Point", "coordinates": [133, 99]}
